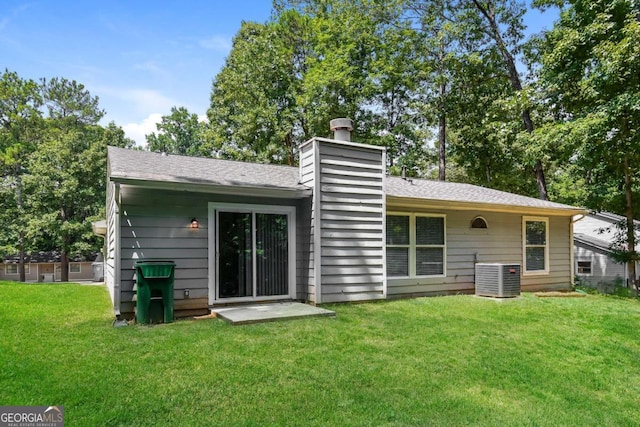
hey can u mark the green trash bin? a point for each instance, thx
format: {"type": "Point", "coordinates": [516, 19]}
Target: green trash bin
{"type": "Point", "coordinates": [154, 282]}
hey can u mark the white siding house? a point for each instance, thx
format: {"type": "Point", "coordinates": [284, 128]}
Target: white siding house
{"type": "Point", "coordinates": [593, 236]}
{"type": "Point", "coordinates": [334, 229]}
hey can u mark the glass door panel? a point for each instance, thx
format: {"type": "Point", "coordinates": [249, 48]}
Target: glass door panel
{"type": "Point", "coordinates": [235, 259]}
{"type": "Point", "coordinates": [272, 254]}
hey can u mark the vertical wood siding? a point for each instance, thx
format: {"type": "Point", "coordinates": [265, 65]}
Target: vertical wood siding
{"type": "Point", "coordinates": [501, 242]}
{"type": "Point", "coordinates": [350, 198]}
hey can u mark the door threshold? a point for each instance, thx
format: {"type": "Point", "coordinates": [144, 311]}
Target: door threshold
{"type": "Point", "coordinates": [245, 303]}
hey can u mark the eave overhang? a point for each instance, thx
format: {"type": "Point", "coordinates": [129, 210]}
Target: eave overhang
{"type": "Point", "coordinates": [395, 202]}
{"type": "Point", "coordinates": [215, 188]}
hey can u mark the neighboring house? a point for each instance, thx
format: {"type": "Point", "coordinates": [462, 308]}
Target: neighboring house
{"type": "Point", "coordinates": [593, 236]}
{"type": "Point", "coordinates": [334, 229]}
{"type": "Point", "coordinates": [45, 267]}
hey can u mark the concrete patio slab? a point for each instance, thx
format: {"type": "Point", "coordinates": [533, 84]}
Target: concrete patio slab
{"type": "Point", "coordinates": [256, 313]}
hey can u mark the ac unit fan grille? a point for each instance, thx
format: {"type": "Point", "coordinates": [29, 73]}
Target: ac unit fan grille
{"type": "Point", "coordinates": [498, 280]}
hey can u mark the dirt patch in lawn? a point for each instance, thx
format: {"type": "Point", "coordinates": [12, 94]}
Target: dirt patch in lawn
{"type": "Point", "coordinates": [560, 294]}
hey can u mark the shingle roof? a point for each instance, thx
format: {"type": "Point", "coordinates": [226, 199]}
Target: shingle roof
{"type": "Point", "coordinates": [46, 257]}
{"type": "Point", "coordinates": [583, 239]}
{"type": "Point", "coordinates": [456, 192]}
{"type": "Point", "coordinates": [611, 217]}
{"type": "Point", "coordinates": [144, 165]}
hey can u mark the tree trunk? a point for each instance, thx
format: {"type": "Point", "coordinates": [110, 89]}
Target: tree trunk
{"type": "Point", "coordinates": [442, 147]}
{"type": "Point", "coordinates": [64, 266]}
{"type": "Point", "coordinates": [21, 272]}
{"type": "Point", "coordinates": [442, 125]}
{"type": "Point", "coordinates": [516, 84]}
{"type": "Point", "coordinates": [631, 238]}
{"type": "Point", "coordinates": [23, 276]}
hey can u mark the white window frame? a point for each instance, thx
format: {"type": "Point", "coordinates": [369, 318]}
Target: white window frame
{"type": "Point", "coordinates": [214, 208]}
{"type": "Point", "coordinates": [526, 272]}
{"type": "Point", "coordinates": [590, 261]}
{"type": "Point", "coordinates": [74, 264]}
{"type": "Point", "coordinates": [27, 269]}
{"type": "Point", "coordinates": [413, 246]}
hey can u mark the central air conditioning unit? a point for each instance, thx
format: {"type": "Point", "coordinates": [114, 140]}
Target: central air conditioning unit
{"type": "Point", "coordinates": [498, 280]}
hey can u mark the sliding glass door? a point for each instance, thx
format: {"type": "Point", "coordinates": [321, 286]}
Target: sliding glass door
{"type": "Point", "coordinates": [235, 254]}
{"type": "Point", "coordinates": [253, 254]}
{"type": "Point", "coordinates": [272, 253]}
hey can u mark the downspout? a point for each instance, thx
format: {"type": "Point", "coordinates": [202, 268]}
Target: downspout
{"type": "Point", "coordinates": [572, 251]}
{"type": "Point", "coordinates": [116, 250]}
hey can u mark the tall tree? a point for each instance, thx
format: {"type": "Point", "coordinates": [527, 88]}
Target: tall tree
{"type": "Point", "coordinates": [114, 136]}
{"type": "Point", "coordinates": [439, 41]}
{"type": "Point", "coordinates": [65, 184]}
{"type": "Point", "coordinates": [590, 70]}
{"type": "Point", "coordinates": [313, 61]}
{"type": "Point", "coordinates": [255, 108]}
{"type": "Point", "coordinates": [502, 23]}
{"type": "Point", "coordinates": [20, 116]}
{"type": "Point", "coordinates": [178, 133]}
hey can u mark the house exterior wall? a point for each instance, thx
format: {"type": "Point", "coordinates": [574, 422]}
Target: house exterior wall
{"type": "Point", "coordinates": [346, 243]}
{"type": "Point", "coordinates": [155, 225]}
{"type": "Point", "coordinates": [307, 220]}
{"type": "Point", "coordinates": [501, 242]}
{"type": "Point", "coordinates": [32, 276]}
{"type": "Point", "coordinates": [110, 241]}
{"type": "Point", "coordinates": [603, 268]}
{"type": "Point", "coordinates": [37, 272]}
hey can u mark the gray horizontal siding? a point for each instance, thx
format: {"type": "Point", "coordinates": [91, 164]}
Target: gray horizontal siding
{"type": "Point", "coordinates": [603, 268]}
{"type": "Point", "coordinates": [306, 227]}
{"type": "Point", "coordinates": [501, 242]}
{"type": "Point", "coordinates": [110, 241]}
{"type": "Point", "coordinates": [155, 225]}
{"type": "Point", "coordinates": [350, 201]}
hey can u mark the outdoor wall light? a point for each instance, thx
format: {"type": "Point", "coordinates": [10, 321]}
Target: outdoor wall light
{"type": "Point", "coordinates": [194, 223]}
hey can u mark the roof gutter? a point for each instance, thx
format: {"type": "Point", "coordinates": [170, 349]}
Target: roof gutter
{"type": "Point", "coordinates": [581, 217]}
{"type": "Point", "coordinates": [412, 202]}
{"type": "Point", "coordinates": [204, 187]}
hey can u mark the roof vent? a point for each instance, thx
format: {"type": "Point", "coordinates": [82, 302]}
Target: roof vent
{"type": "Point", "coordinates": [341, 129]}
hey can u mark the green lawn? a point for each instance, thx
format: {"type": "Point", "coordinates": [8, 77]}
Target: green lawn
{"type": "Point", "coordinates": [430, 361]}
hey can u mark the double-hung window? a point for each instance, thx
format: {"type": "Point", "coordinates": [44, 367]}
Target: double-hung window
{"type": "Point", "coordinates": [415, 245]}
{"type": "Point", "coordinates": [12, 269]}
{"type": "Point", "coordinates": [535, 233]}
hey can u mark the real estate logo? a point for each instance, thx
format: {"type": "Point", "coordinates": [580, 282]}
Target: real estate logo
{"type": "Point", "coordinates": [31, 416]}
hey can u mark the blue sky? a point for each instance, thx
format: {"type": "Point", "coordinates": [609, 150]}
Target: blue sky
{"type": "Point", "coordinates": [139, 57]}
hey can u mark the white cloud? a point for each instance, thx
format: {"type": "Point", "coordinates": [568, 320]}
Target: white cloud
{"type": "Point", "coordinates": [148, 100]}
{"type": "Point", "coordinates": [217, 43]}
{"type": "Point", "coordinates": [138, 101]}
{"type": "Point", "coordinates": [138, 131]}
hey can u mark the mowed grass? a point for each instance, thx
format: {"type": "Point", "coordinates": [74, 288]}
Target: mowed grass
{"type": "Point", "coordinates": [430, 361]}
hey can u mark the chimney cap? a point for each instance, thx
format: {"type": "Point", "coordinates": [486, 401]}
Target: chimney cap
{"type": "Point", "coordinates": [341, 124]}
